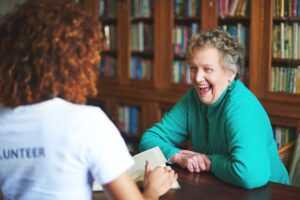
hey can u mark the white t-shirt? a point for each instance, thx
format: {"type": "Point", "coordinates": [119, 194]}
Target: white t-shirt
{"type": "Point", "coordinates": [55, 149]}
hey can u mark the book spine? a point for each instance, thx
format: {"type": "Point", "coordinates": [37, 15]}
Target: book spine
{"type": "Point", "coordinates": [282, 41]}
{"type": "Point", "coordinates": [295, 41]}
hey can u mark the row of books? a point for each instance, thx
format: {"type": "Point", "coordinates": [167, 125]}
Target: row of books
{"type": "Point", "coordinates": [285, 41]}
{"type": "Point", "coordinates": [283, 135]}
{"type": "Point", "coordinates": [128, 119]}
{"type": "Point", "coordinates": [141, 8]}
{"type": "Point", "coordinates": [187, 8]}
{"type": "Point", "coordinates": [181, 72]}
{"type": "Point", "coordinates": [181, 35]}
{"type": "Point", "coordinates": [110, 34]}
{"type": "Point", "coordinates": [240, 31]}
{"type": "Point", "coordinates": [108, 66]}
{"type": "Point", "coordinates": [140, 68]}
{"type": "Point", "coordinates": [286, 8]}
{"type": "Point", "coordinates": [142, 36]}
{"type": "Point", "coordinates": [285, 79]}
{"type": "Point", "coordinates": [107, 9]}
{"type": "Point", "coordinates": [233, 8]}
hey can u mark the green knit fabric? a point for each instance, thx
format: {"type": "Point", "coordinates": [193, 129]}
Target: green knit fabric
{"type": "Point", "coordinates": [235, 132]}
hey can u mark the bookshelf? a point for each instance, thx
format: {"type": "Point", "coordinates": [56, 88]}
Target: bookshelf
{"type": "Point", "coordinates": [141, 40]}
{"type": "Point", "coordinates": [129, 124]}
{"type": "Point", "coordinates": [167, 20]}
{"type": "Point", "coordinates": [186, 21]}
{"type": "Point", "coordinates": [285, 138]}
{"type": "Point", "coordinates": [282, 55]}
{"type": "Point", "coordinates": [280, 94]}
{"type": "Point", "coordinates": [234, 17]}
{"type": "Point", "coordinates": [108, 16]}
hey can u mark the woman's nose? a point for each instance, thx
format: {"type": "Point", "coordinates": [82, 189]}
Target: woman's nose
{"type": "Point", "coordinates": [199, 76]}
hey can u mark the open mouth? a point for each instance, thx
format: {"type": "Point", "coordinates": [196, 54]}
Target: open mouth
{"type": "Point", "coordinates": [203, 89]}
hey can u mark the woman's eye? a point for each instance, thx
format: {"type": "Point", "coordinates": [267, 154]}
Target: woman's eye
{"type": "Point", "coordinates": [208, 70]}
{"type": "Point", "coordinates": [193, 69]}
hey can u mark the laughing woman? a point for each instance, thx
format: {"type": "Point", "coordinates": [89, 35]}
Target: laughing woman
{"type": "Point", "coordinates": [230, 131]}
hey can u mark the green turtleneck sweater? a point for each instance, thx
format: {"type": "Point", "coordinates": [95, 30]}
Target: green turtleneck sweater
{"type": "Point", "coordinates": [235, 132]}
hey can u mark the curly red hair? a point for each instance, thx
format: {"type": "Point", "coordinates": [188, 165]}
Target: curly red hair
{"type": "Point", "coordinates": [48, 49]}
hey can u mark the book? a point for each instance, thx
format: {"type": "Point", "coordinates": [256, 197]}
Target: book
{"type": "Point", "coordinates": [154, 156]}
{"type": "Point", "coordinates": [133, 120]}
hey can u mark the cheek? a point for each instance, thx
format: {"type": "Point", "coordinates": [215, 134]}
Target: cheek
{"type": "Point", "coordinates": [216, 81]}
{"type": "Point", "coordinates": [220, 84]}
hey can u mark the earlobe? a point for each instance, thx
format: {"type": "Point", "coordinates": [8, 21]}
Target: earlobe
{"type": "Point", "coordinates": [231, 76]}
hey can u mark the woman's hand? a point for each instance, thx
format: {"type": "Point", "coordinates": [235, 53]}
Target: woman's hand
{"type": "Point", "coordinates": [158, 181]}
{"type": "Point", "coordinates": [192, 161]}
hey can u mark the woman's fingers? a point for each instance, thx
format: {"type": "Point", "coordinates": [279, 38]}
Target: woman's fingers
{"type": "Point", "coordinates": [147, 167]}
{"type": "Point", "coordinates": [189, 166]}
{"type": "Point", "coordinates": [207, 162]}
{"type": "Point", "coordinates": [201, 162]}
{"type": "Point", "coordinates": [194, 162]}
{"type": "Point", "coordinates": [197, 163]}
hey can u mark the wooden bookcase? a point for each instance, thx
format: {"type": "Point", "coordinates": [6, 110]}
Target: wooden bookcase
{"type": "Point", "coordinates": [282, 106]}
{"type": "Point", "coordinates": [161, 92]}
{"type": "Point", "coordinates": [235, 18]}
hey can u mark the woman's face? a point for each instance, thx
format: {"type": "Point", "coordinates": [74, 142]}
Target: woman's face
{"type": "Point", "coordinates": [209, 78]}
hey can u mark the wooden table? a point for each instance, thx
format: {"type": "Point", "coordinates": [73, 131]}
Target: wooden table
{"type": "Point", "coordinates": [206, 186]}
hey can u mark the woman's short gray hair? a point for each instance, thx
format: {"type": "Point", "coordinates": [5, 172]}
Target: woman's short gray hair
{"type": "Point", "coordinates": [232, 52]}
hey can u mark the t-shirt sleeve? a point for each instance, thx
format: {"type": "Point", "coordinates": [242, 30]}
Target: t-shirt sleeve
{"type": "Point", "coordinates": [107, 154]}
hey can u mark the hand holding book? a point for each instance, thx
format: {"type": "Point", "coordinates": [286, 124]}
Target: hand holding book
{"type": "Point", "coordinates": [155, 162]}
{"type": "Point", "coordinates": [159, 180]}
{"type": "Point", "coordinates": [156, 159]}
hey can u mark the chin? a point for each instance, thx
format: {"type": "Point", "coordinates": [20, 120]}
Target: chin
{"type": "Point", "coordinates": [205, 101]}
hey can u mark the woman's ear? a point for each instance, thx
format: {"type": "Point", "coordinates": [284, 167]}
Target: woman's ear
{"type": "Point", "coordinates": [231, 75]}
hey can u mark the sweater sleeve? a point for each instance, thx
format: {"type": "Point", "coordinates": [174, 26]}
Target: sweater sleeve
{"type": "Point", "coordinates": [248, 162]}
{"type": "Point", "coordinates": [170, 132]}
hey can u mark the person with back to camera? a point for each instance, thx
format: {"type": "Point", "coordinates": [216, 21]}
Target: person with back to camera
{"type": "Point", "coordinates": [230, 132]}
{"type": "Point", "coordinates": [51, 145]}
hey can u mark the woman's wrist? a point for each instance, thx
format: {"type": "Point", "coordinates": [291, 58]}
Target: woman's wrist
{"type": "Point", "coordinates": [174, 158]}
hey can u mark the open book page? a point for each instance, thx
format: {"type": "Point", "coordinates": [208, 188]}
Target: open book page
{"type": "Point", "coordinates": [154, 156]}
